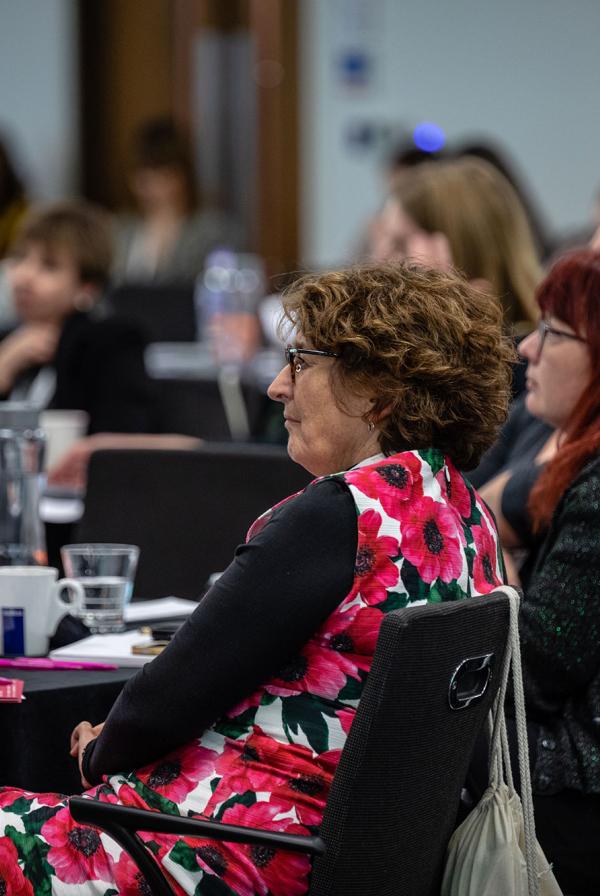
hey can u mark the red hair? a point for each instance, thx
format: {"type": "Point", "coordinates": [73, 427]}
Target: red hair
{"type": "Point", "coordinates": [571, 293]}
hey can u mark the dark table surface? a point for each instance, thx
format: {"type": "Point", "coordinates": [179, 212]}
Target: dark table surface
{"type": "Point", "coordinates": [34, 746]}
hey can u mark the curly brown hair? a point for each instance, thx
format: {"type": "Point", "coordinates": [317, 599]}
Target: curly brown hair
{"type": "Point", "coordinates": [424, 343]}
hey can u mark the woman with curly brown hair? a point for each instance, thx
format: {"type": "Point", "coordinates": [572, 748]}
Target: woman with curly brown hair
{"type": "Point", "coordinates": [397, 376]}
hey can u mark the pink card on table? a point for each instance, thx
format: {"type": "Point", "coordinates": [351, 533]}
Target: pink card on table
{"type": "Point", "coordinates": [11, 690]}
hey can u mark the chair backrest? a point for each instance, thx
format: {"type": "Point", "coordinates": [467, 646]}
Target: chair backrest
{"type": "Point", "coordinates": [195, 407]}
{"type": "Point", "coordinates": [187, 510]}
{"type": "Point", "coordinates": [166, 313]}
{"type": "Point", "coordinates": [396, 792]}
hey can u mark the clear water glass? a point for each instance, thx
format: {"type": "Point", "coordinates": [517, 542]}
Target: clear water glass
{"type": "Point", "coordinates": [106, 573]}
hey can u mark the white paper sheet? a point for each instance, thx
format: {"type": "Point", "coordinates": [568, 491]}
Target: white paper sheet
{"type": "Point", "coordinates": [106, 649]}
{"type": "Point", "coordinates": [161, 608]}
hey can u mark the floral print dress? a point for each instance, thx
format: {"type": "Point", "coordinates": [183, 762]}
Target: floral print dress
{"type": "Point", "coordinates": [423, 534]}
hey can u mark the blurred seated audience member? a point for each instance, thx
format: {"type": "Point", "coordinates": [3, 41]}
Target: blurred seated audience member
{"type": "Point", "coordinates": [595, 240]}
{"type": "Point", "coordinates": [560, 613]}
{"type": "Point", "coordinates": [490, 151]}
{"type": "Point", "coordinates": [62, 355]}
{"type": "Point", "coordinates": [13, 208]}
{"type": "Point", "coordinates": [13, 201]}
{"type": "Point", "coordinates": [403, 156]}
{"type": "Point", "coordinates": [243, 717]}
{"type": "Point", "coordinates": [168, 236]}
{"type": "Point", "coordinates": [508, 472]}
{"type": "Point", "coordinates": [71, 470]}
{"type": "Point", "coordinates": [587, 234]}
{"type": "Point", "coordinates": [465, 213]}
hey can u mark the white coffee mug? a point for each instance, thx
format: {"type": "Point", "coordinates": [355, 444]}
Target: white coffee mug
{"type": "Point", "coordinates": [31, 607]}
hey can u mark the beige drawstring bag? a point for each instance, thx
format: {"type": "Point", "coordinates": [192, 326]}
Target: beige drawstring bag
{"type": "Point", "coordinates": [494, 852]}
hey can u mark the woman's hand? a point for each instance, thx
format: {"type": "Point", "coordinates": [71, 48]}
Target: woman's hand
{"type": "Point", "coordinates": [81, 735]}
{"type": "Point", "coordinates": [31, 345]}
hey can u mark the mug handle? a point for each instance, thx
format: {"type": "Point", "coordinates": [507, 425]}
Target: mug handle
{"type": "Point", "coordinates": [74, 591]}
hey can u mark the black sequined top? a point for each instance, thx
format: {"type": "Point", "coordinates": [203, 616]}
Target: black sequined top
{"type": "Point", "coordinates": [560, 637]}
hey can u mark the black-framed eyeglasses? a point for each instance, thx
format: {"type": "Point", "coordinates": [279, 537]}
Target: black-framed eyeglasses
{"type": "Point", "coordinates": [543, 328]}
{"type": "Point", "coordinates": [294, 356]}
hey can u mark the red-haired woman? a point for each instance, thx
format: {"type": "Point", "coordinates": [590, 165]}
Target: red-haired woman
{"type": "Point", "coordinates": [560, 617]}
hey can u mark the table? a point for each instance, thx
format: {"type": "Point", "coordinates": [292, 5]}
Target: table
{"type": "Point", "coordinates": [34, 747]}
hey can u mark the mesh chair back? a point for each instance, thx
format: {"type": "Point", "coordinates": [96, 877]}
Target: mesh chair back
{"type": "Point", "coordinates": [166, 313]}
{"type": "Point", "coordinates": [395, 796]}
{"type": "Point", "coordinates": [187, 510]}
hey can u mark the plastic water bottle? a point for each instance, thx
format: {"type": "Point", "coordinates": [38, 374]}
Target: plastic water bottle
{"type": "Point", "coordinates": [227, 295]}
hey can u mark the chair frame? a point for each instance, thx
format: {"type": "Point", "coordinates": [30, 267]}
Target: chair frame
{"type": "Point", "coordinates": [381, 810]}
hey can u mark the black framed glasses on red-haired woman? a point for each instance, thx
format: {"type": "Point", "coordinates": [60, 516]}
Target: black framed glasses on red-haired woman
{"type": "Point", "coordinates": [544, 329]}
{"type": "Point", "coordinates": [294, 357]}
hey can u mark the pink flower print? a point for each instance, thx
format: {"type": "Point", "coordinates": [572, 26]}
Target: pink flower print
{"type": "Point", "coordinates": [12, 880]}
{"type": "Point", "coordinates": [484, 564]}
{"type": "Point", "coordinates": [455, 490]}
{"type": "Point", "coordinates": [76, 852]}
{"type": "Point", "coordinates": [430, 541]}
{"type": "Point", "coordinates": [318, 670]}
{"type": "Point", "coordinates": [355, 632]}
{"type": "Point", "coordinates": [179, 773]}
{"type": "Point", "coordinates": [292, 773]}
{"type": "Point", "coordinates": [394, 482]}
{"type": "Point", "coordinates": [244, 766]}
{"type": "Point", "coordinates": [346, 717]}
{"type": "Point", "coordinates": [276, 872]}
{"type": "Point", "coordinates": [8, 795]}
{"type": "Point", "coordinates": [375, 571]}
{"type": "Point", "coordinates": [130, 881]}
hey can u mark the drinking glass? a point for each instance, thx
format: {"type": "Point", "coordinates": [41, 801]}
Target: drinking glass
{"type": "Point", "coordinates": [106, 573]}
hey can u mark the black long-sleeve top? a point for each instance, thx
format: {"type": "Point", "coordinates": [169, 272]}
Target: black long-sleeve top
{"type": "Point", "coordinates": [278, 590]}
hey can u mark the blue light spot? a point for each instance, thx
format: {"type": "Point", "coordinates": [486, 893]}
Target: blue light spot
{"type": "Point", "coordinates": [429, 136]}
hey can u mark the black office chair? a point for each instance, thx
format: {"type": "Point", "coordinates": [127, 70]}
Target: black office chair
{"type": "Point", "coordinates": [196, 407]}
{"type": "Point", "coordinates": [187, 510]}
{"type": "Point", "coordinates": [166, 313]}
{"type": "Point", "coordinates": [395, 795]}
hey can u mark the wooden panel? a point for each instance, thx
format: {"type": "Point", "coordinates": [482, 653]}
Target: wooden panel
{"type": "Point", "coordinates": [136, 63]}
{"type": "Point", "coordinates": [274, 26]}
{"type": "Point", "coordinates": [127, 77]}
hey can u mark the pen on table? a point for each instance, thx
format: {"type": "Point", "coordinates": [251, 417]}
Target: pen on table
{"type": "Point", "coordinates": [35, 662]}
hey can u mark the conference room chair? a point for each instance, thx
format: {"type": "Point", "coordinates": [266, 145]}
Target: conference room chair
{"type": "Point", "coordinates": [187, 510]}
{"type": "Point", "coordinates": [212, 409]}
{"type": "Point", "coordinates": [394, 799]}
{"type": "Point", "coordinates": [165, 313]}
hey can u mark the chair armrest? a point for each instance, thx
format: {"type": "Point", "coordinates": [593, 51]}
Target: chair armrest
{"type": "Point", "coordinates": [104, 815]}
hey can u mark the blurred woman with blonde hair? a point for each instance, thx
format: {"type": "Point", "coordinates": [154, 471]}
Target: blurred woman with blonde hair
{"type": "Point", "coordinates": [465, 213]}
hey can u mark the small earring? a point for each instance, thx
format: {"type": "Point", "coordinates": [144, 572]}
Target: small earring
{"type": "Point", "coordinates": [83, 302]}
{"type": "Point", "coordinates": [370, 426]}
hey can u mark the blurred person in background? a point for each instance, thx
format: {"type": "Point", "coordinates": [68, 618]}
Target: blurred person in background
{"type": "Point", "coordinates": [13, 201]}
{"type": "Point", "coordinates": [13, 208]}
{"type": "Point", "coordinates": [560, 612]}
{"type": "Point", "coordinates": [489, 150]}
{"type": "Point", "coordinates": [168, 236]}
{"type": "Point", "coordinates": [62, 355]}
{"type": "Point", "coordinates": [464, 213]}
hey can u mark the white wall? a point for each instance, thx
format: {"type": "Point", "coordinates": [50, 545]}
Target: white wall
{"type": "Point", "coordinates": [38, 92]}
{"type": "Point", "coordinates": [526, 72]}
